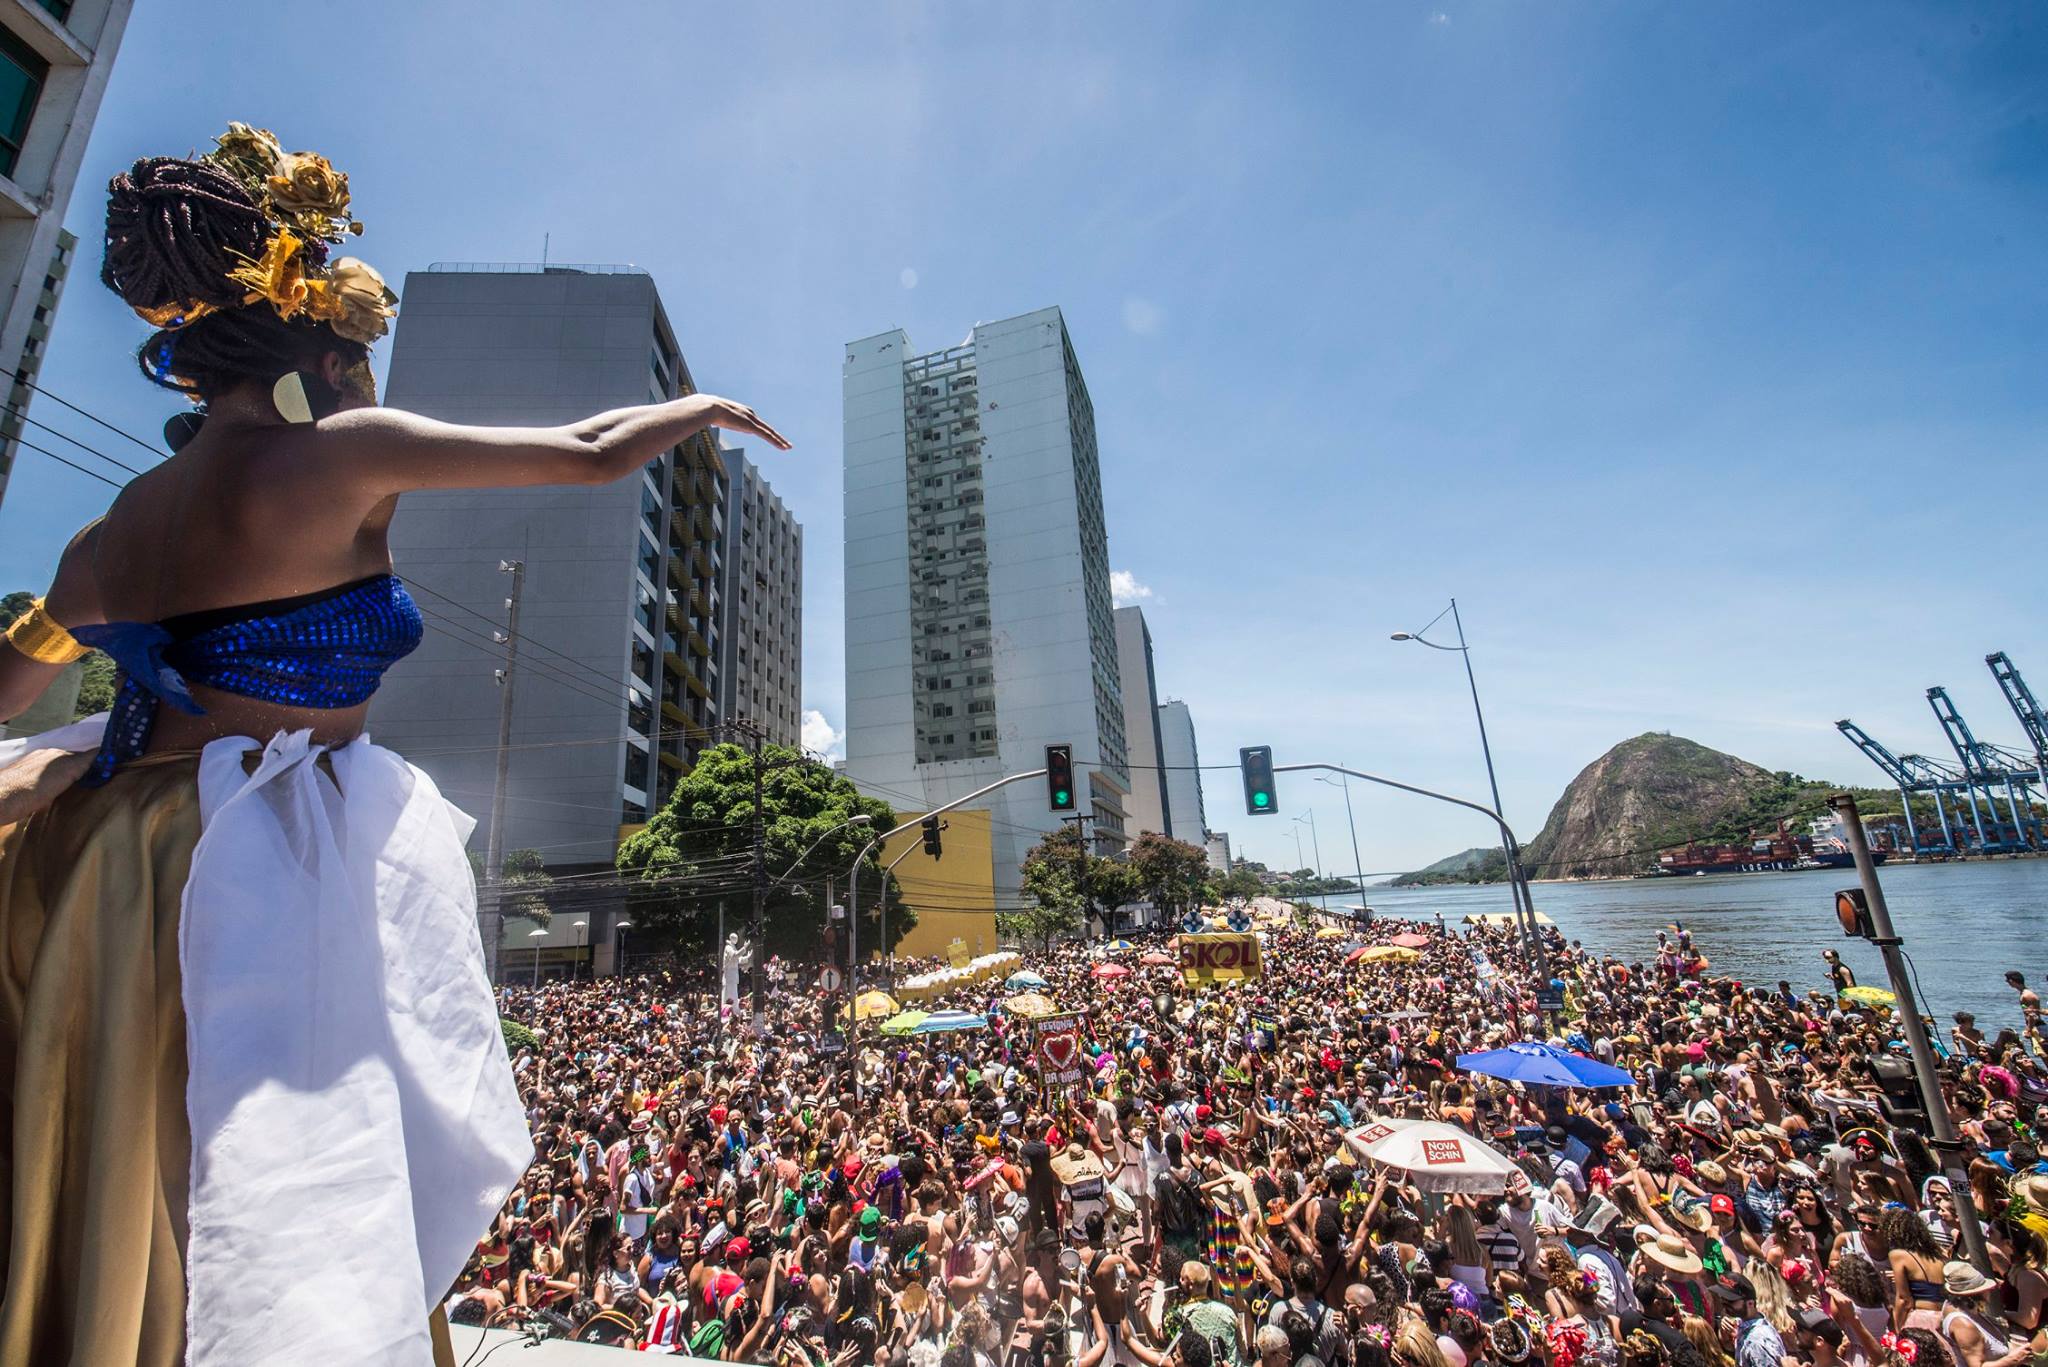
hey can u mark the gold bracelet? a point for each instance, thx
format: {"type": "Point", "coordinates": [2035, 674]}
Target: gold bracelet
{"type": "Point", "coordinates": [39, 636]}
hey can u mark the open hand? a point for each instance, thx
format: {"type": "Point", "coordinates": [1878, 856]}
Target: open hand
{"type": "Point", "coordinates": [36, 780]}
{"type": "Point", "coordinates": [734, 416]}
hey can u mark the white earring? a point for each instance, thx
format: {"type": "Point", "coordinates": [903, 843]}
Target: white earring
{"type": "Point", "coordinates": [289, 394]}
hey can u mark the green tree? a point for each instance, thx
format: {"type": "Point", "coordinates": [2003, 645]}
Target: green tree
{"type": "Point", "coordinates": [95, 686]}
{"type": "Point", "coordinates": [1112, 883]}
{"type": "Point", "coordinates": [1059, 870]}
{"type": "Point", "coordinates": [526, 883]}
{"type": "Point", "coordinates": [697, 852]}
{"type": "Point", "coordinates": [1173, 874]}
{"type": "Point", "coordinates": [1241, 885]}
{"type": "Point", "coordinates": [1051, 881]}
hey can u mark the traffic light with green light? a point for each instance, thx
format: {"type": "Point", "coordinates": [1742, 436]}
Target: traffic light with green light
{"type": "Point", "coordinates": [1257, 763]}
{"type": "Point", "coordinates": [1059, 777]}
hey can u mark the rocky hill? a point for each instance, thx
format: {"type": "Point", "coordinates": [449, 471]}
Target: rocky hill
{"type": "Point", "coordinates": [1655, 791]}
{"type": "Point", "coordinates": [1466, 866]}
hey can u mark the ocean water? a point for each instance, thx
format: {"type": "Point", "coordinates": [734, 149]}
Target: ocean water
{"type": "Point", "coordinates": [1963, 925]}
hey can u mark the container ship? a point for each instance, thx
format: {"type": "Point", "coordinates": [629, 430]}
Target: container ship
{"type": "Point", "coordinates": [1780, 853]}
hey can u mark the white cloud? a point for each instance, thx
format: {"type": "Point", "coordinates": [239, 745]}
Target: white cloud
{"type": "Point", "coordinates": [1440, 19]}
{"type": "Point", "coordinates": [908, 277]}
{"type": "Point", "coordinates": [1124, 588]}
{"type": "Point", "coordinates": [1141, 315]}
{"type": "Point", "coordinates": [820, 737]}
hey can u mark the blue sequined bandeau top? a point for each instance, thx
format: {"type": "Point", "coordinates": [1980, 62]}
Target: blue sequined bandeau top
{"type": "Point", "coordinates": [327, 649]}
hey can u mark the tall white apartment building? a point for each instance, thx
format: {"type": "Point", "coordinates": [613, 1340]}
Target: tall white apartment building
{"type": "Point", "coordinates": [1186, 819]}
{"type": "Point", "coordinates": [979, 627]}
{"type": "Point", "coordinates": [1148, 810]}
{"type": "Point", "coordinates": [55, 57]}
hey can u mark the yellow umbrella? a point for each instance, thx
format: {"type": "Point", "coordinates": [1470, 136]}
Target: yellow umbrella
{"type": "Point", "coordinates": [1389, 954]}
{"type": "Point", "coordinates": [869, 1005]}
{"type": "Point", "coordinates": [1330, 933]}
{"type": "Point", "coordinates": [1030, 1004]}
{"type": "Point", "coordinates": [1869, 996]}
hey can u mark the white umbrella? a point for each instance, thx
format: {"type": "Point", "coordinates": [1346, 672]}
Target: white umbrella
{"type": "Point", "coordinates": [1437, 1157]}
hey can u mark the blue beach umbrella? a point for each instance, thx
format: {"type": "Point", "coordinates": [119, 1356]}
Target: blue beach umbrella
{"type": "Point", "coordinates": [1546, 1064]}
{"type": "Point", "coordinates": [1019, 981]}
{"type": "Point", "coordinates": [940, 1021]}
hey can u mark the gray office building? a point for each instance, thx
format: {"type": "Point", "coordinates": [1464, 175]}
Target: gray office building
{"type": "Point", "coordinates": [1186, 819]}
{"type": "Point", "coordinates": [761, 640]}
{"type": "Point", "coordinates": [1149, 807]}
{"type": "Point", "coordinates": [616, 685]}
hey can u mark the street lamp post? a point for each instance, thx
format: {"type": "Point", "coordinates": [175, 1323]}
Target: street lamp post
{"type": "Point", "coordinates": [582, 938]}
{"type": "Point", "coordinates": [1349, 820]}
{"type": "Point", "coordinates": [1316, 847]}
{"type": "Point", "coordinates": [619, 947]}
{"type": "Point", "coordinates": [536, 935]}
{"type": "Point", "coordinates": [1507, 836]}
{"type": "Point", "coordinates": [1518, 889]}
{"type": "Point", "coordinates": [889, 953]}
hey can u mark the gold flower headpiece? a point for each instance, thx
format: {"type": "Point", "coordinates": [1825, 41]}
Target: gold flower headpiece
{"type": "Point", "coordinates": [306, 201]}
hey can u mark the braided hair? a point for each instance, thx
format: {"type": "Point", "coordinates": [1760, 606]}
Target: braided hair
{"type": "Point", "coordinates": [175, 229]}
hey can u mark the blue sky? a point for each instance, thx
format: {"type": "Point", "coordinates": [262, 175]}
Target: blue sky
{"type": "Point", "coordinates": [1697, 350]}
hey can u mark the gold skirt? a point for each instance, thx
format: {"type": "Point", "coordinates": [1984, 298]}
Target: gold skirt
{"type": "Point", "coordinates": [95, 1151]}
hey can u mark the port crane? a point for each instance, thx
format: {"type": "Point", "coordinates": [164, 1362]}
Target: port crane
{"type": "Point", "coordinates": [1987, 769]}
{"type": "Point", "coordinates": [2025, 706]}
{"type": "Point", "coordinates": [1910, 774]}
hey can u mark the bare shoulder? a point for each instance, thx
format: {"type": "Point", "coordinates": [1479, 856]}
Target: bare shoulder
{"type": "Point", "coordinates": [74, 596]}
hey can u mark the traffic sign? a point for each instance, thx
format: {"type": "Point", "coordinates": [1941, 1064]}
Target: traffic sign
{"type": "Point", "coordinates": [829, 978]}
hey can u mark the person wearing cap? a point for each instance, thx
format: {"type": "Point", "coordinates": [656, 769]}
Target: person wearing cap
{"type": "Point", "coordinates": [638, 1200]}
{"type": "Point", "coordinates": [862, 1249]}
{"type": "Point", "coordinates": [1591, 1230]}
{"type": "Point", "coordinates": [1976, 1339]}
{"type": "Point", "coordinates": [1764, 1195]}
{"type": "Point", "coordinates": [1755, 1340]}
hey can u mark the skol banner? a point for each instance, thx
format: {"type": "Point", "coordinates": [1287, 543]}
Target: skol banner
{"type": "Point", "coordinates": [1211, 958]}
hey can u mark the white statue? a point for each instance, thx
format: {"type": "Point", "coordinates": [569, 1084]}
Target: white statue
{"type": "Point", "coordinates": [736, 956]}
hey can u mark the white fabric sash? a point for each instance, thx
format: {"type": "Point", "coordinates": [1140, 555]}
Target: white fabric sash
{"type": "Point", "coordinates": [355, 1125]}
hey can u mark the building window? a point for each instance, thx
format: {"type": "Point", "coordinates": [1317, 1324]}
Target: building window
{"type": "Point", "coordinates": [22, 74]}
{"type": "Point", "coordinates": [636, 768]}
{"type": "Point", "coordinates": [60, 10]}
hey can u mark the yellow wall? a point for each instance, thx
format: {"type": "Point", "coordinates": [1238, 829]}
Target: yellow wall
{"type": "Point", "coordinates": [954, 895]}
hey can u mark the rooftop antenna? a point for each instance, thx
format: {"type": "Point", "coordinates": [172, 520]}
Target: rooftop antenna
{"type": "Point", "coordinates": [544, 240]}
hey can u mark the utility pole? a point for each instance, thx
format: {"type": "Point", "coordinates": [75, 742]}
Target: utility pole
{"type": "Point", "coordinates": [1080, 822]}
{"type": "Point", "coordinates": [1945, 1143]}
{"type": "Point", "coordinates": [760, 893]}
{"type": "Point", "coordinates": [491, 916]}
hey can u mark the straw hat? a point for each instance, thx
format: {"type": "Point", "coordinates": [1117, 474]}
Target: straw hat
{"type": "Point", "coordinates": [1960, 1279]}
{"type": "Point", "coordinates": [1711, 1173]}
{"type": "Point", "coordinates": [1672, 1252]}
{"type": "Point", "coordinates": [1076, 1164]}
{"type": "Point", "coordinates": [1695, 1217]}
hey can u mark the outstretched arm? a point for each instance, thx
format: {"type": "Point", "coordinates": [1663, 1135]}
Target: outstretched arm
{"type": "Point", "coordinates": [384, 451]}
{"type": "Point", "coordinates": [73, 601]}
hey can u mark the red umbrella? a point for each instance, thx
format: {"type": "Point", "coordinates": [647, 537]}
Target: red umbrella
{"type": "Point", "coordinates": [1112, 971]}
{"type": "Point", "coordinates": [1409, 939]}
{"type": "Point", "coordinates": [1353, 956]}
{"type": "Point", "coordinates": [1157, 960]}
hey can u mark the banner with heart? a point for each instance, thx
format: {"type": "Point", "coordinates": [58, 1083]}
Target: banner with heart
{"type": "Point", "coordinates": [1059, 1048]}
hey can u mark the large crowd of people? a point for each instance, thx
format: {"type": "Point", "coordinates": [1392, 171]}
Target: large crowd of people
{"type": "Point", "coordinates": [1761, 1194]}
